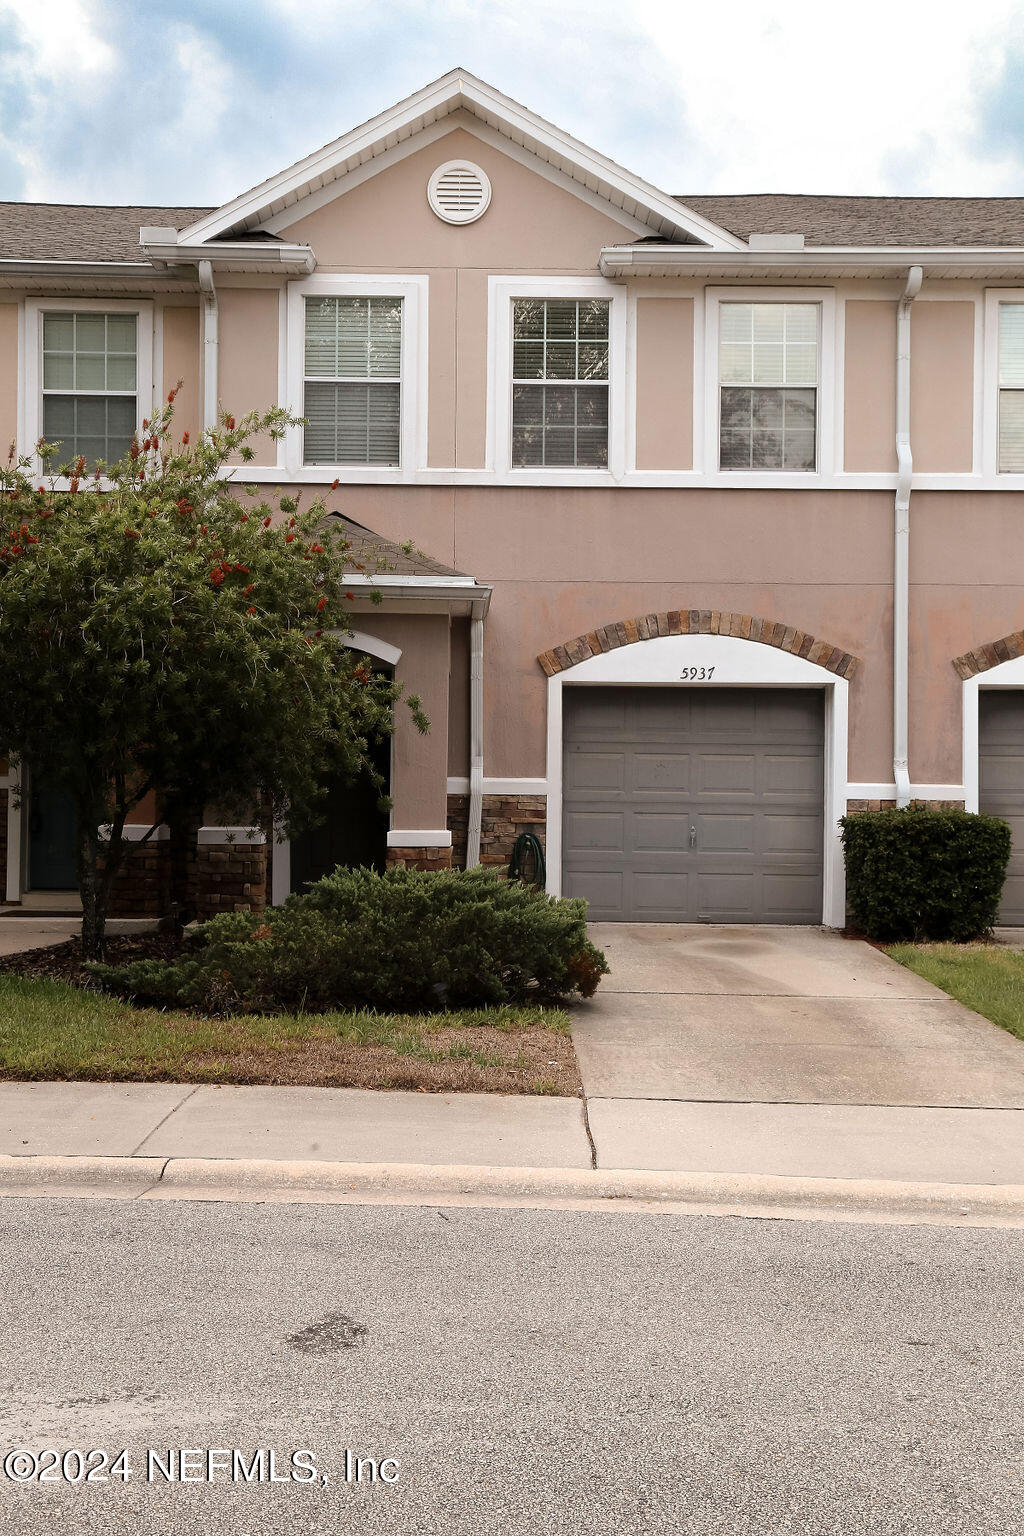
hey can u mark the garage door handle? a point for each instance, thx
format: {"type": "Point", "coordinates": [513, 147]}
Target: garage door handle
{"type": "Point", "coordinates": [693, 837]}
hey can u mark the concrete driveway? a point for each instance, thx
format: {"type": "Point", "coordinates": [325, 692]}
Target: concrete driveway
{"type": "Point", "coordinates": [791, 1050]}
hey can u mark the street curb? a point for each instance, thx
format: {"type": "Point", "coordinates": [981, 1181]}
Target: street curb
{"type": "Point", "coordinates": [760, 1195]}
{"type": "Point", "coordinates": [78, 1175]}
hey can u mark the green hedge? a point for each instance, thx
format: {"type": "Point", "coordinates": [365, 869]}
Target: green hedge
{"type": "Point", "coordinates": [924, 874]}
{"type": "Point", "coordinates": [404, 940]}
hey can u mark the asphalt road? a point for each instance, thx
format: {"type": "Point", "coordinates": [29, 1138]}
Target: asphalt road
{"type": "Point", "coordinates": [530, 1372]}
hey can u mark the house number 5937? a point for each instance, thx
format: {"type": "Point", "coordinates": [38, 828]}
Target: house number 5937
{"type": "Point", "coordinates": [697, 674]}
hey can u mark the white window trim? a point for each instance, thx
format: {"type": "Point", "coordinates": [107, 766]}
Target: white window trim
{"type": "Point", "coordinates": [146, 385]}
{"type": "Point", "coordinates": [501, 292]}
{"type": "Point", "coordinates": [825, 458]}
{"type": "Point", "coordinates": [1010, 480]}
{"type": "Point", "coordinates": [413, 291]}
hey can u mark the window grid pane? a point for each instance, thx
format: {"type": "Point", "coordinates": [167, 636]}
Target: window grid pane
{"type": "Point", "coordinates": [563, 426]}
{"type": "Point", "coordinates": [1011, 346]}
{"type": "Point", "coordinates": [765, 350]}
{"type": "Point", "coordinates": [90, 373]}
{"type": "Point", "coordinates": [353, 368]}
{"type": "Point", "coordinates": [768, 344]}
{"type": "Point", "coordinates": [767, 428]}
{"type": "Point", "coordinates": [89, 352]}
{"type": "Point", "coordinates": [352, 423]}
{"type": "Point", "coordinates": [560, 383]}
{"type": "Point", "coordinates": [354, 338]}
{"type": "Point", "coordinates": [96, 426]}
{"type": "Point", "coordinates": [1011, 431]}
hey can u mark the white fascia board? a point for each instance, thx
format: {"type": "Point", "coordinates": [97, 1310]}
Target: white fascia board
{"type": "Point", "coordinates": [31, 268]}
{"type": "Point", "coordinates": [458, 89]}
{"type": "Point", "coordinates": [443, 588]}
{"type": "Point", "coordinates": [240, 255]}
{"type": "Point", "coordinates": [821, 261]}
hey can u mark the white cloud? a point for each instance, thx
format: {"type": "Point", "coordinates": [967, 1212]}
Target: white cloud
{"type": "Point", "coordinates": [66, 37]}
{"type": "Point", "coordinates": [884, 96]}
{"type": "Point", "coordinates": [872, 98]}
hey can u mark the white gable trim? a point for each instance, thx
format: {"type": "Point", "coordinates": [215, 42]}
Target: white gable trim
{"type": "Point", "coordinates": [439, 130]}
{"type": "Point", "coordinates": [658, 212]}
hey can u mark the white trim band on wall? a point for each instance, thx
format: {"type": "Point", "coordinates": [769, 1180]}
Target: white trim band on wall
{"type": "Point", "coordinates": [134, 832]}
{"type": "Point", "coordinates": [457, 786]}
{"type": "Point", "coordinates": [917, 791]}
{"type": "Point", "coordinates": [228, 835]}
{"type": "Point", "coordinates": [400, 839]}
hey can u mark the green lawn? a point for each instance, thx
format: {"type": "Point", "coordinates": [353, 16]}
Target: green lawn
{"type": "Point", "coordinates": [987, 977]}
{"type": "Point", "coordinates": [52, 1030]}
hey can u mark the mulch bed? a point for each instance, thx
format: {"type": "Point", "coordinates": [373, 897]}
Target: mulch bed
{"type": "Point", "coordinates": [64, 962]}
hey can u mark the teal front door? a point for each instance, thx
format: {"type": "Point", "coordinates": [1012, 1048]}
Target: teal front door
{"type": "Point", "coordinates": [51, 840]}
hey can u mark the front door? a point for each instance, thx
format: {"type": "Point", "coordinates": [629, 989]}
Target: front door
{"type": "Point", "coordinates": [354, 831]}
{"type": "Point", "coordinates": [51, 839]}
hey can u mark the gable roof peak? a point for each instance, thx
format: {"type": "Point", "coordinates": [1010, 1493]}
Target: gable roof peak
{"type": "Point", "coordinates": [459, 89]}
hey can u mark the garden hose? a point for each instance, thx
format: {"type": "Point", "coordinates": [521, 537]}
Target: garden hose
{"type": "Point", "coordinates": [527, 851]}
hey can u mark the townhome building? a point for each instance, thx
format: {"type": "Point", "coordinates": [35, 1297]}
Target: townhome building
{"type": "Point", "coordinates": [717, 502]}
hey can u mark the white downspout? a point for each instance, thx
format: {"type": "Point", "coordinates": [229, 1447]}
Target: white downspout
{"type": "Point", "coordinates": [476, 735]}
{"type": "Point", "coordinates": [901, 553]}
{"type": "Point", "coordinates": [210, 344]}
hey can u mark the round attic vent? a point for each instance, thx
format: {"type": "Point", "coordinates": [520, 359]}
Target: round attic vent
{"type": "Point", "coordinates": [459, 192]}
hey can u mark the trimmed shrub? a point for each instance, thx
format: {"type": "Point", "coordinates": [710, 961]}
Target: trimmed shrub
{"type": "Point", "coordinates": [921, 874]}
{"type": "Point", "coordinates": [404, 940]}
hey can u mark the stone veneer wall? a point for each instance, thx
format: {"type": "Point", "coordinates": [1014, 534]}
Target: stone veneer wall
{"type": "Point", "coordinates": [142, 884]}
{"type": "Point", "coordinates": [503, 818]}
{"type": "Point", "coordinates": [853, 807]}
{"type": "Point", "coordinates": [230, 877]}
{"type": "Point", "coordinates": [419, 858]}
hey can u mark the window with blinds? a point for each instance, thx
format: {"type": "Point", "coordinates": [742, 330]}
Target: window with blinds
{"type": "Point", "coordinates": [353, 381]}
{"type": "Point", "coordinates": [560, 383]}
{"type": "Point", "coordinates": [1011, 389]}
{"type": "Point", "coordinates": [768, 375]}
{"type": "Point", "coordinates": [90, 366]}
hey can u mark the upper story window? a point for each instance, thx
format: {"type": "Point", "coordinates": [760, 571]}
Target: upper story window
{"type": "Point", "coordinates": [353, 380]}
{"type": "Point", "coordinates": [560, 383]}
{"type": "Point", "coordinates": [1011, 388]}
{"type": "Point", "coordinates": [90, 383]}
{"type": "Point", "coordinates": [768, 385]}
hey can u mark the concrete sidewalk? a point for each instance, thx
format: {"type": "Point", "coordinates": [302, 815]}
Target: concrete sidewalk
{"type": "Point", "coordinates": [711, 1059]}
{"type": "Point", "coordinates": [335, 1125]}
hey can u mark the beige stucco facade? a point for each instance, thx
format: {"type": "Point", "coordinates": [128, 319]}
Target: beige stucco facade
{"type": "Point", "coordinates": [565, 553]}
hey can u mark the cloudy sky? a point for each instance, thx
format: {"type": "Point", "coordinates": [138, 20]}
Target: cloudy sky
{"type": "Point", "coordinates": [192, 101]}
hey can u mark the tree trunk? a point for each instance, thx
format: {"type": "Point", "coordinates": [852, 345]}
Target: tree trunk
{"type": "Point", "coordinates": [93, 891]}
{"type": "Point", "coordinates": [184, 817]}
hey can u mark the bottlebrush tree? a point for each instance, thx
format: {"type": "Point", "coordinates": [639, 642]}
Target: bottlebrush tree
{"type": "Point", "coordinates": [163, 630]}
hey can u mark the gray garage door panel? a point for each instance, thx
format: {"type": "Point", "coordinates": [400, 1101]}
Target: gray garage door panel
{"type": "Point", "coordinates": [1001, 783]}
{"type": "Point", "coordinates": [743, 768]}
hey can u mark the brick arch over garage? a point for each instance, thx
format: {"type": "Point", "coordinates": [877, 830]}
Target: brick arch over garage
{"type": "Point", "coordinates": [984, 657]}
{"type": "Point", "coordinates": [693, 621]}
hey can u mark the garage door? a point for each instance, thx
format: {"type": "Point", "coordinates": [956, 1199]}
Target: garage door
{"type": "Point", "coordinates": [694, 804]}
{"type": "Point", "coordinates": [1001, 783]}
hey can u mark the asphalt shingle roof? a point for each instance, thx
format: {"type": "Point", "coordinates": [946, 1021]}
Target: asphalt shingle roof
{"type": "Point", "coordinates": [884, 221]}
{"type": "Point", "coordinates": [74, 232]}
{"type": "Point", "coordinates": [369, 549]}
